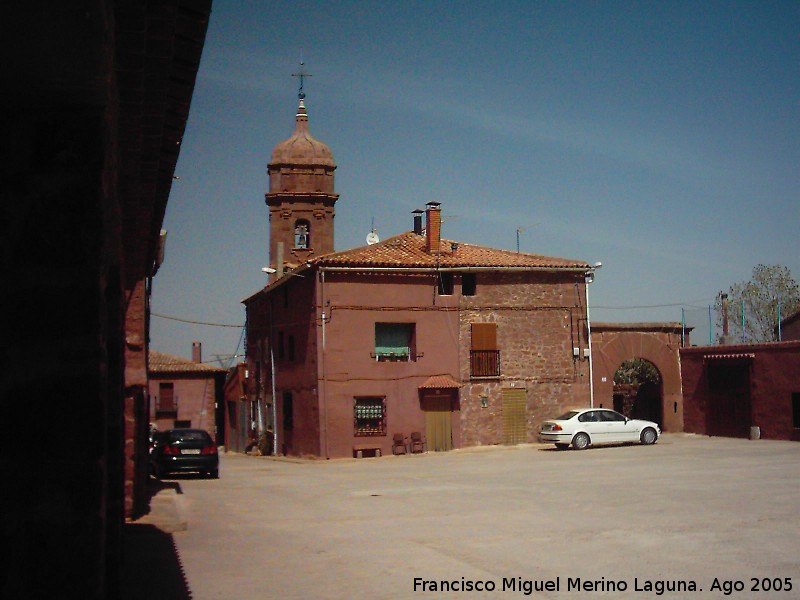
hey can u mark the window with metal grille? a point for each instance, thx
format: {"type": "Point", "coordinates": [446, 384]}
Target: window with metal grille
{"type": "Point", "coordinates": [484, 357]}
{"type": "Point", "coordinates": [369, 416]}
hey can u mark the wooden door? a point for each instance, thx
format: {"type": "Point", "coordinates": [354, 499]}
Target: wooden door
{"type": "Point", "coordinates": [515, 416]}
{"type": "Point", "coordinates": [438, 423]}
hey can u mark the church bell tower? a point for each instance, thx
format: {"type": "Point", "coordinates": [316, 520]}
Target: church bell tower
{"type": "Point", "coordinates": [301, 195]}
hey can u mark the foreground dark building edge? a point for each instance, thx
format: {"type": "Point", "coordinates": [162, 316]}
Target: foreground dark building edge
{"type": "Point", "coordinates": [93, 115]}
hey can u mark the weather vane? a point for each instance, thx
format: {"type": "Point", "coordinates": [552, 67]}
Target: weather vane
{"type": "Point", "coordinates": [302, 75]}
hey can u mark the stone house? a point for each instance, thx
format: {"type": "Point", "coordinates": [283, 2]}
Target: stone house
{"type": "Point", "coordinates": [185, 393]}
{"type": "Point", "coordinates": [350, 351]}
{"type": "Point", "coordinates": [465, 344]}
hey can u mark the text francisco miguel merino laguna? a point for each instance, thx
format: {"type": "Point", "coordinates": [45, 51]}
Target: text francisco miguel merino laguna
{"type": "Point", "coordinates": [571, 584]}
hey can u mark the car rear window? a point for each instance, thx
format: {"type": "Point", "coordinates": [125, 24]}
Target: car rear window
{"type": "Point", "coordinates": [188, 436]}
{"type": "Point", "coordinates": [567, 416]}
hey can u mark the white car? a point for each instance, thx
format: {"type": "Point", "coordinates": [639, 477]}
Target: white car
{"type": "Point", "coordinates": [593, 426]}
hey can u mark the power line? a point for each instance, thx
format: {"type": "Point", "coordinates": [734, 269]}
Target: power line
{"type": "Point", "coordinates": [679, 304]}
{"type": "Point", "coordinates": [194, 322]}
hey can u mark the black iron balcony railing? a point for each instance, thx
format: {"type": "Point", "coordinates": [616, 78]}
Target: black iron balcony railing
{"type": "Point", "coordinates": [484, 363]}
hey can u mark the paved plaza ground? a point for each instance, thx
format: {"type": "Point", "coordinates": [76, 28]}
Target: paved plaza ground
{"type": "Point", "coordinates": [691, 517]}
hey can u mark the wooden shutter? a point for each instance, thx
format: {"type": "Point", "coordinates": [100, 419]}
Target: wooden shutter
{"type": "Point", "coordinates": [166, 400]}
{"type": "Point", "coordinates": [484, 336]}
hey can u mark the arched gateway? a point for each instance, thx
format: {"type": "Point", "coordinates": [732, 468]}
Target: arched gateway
{"type": "Point", "coordinates": [658, 343]}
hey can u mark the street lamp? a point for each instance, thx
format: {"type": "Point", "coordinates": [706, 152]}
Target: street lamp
{"type": "Point", "coordinates": [589, 279]}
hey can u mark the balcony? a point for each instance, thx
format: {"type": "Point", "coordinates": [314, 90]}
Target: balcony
{"type": "Point", "coordinates": [484, 363]}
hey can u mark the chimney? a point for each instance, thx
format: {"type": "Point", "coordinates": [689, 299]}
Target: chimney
{"type": "Point", "coordinates": [197, 352]}
{"type": "Point", "coordinates": [433, 227]}
{"type": "Point", "coordinates": [279, 261]}
{"type": "Point", "coordinates": [417, 221]}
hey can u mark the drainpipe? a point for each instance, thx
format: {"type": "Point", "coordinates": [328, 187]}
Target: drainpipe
{"type": "Point", "coordinates": [321, 386]}
{"type": "Point", "coordinates": [272, 372]}
{"type": "Point", "coordinates": [274, 404]}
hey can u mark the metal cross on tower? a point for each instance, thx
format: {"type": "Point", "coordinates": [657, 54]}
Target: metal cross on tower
{"type": "Point", "coordinates": [302, 75]}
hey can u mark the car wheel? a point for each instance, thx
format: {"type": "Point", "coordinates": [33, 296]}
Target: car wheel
{"type": "Point", "coordinates": [648, 436]}
{"type": "Point", "coordinates": [580, 441]}
{"type": "Point", "coordinates": [213, 474]}
{"type": "Point", "coordinates": [562, 446]}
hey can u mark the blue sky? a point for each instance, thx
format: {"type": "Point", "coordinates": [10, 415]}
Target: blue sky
{"type": "Point", "coordinates": [660, 138]}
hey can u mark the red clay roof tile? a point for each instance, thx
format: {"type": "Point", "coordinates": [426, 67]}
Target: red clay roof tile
{"type": "Point", "coordinates": [440, 382]}
{"type": "Point", "coordinates": [407, 250]}
{"type": "Point", "coordinates": [166, 363]}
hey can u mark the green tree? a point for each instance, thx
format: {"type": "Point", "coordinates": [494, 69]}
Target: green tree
{"type": "Point", "coordinates": [757, 302]}
{"type": "Point", "coordinates": [637, 370]}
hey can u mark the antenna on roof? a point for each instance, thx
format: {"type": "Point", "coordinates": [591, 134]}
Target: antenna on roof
{"type": "Point", "coordinates": [372, 236]}
{"type": "Point", "coordinates": [522, 229]}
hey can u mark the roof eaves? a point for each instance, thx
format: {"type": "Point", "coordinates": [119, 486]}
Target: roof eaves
{"type": "Point", "coordinates": [455, 269]}
{"type": "Point", "coordinates": [296, 272]}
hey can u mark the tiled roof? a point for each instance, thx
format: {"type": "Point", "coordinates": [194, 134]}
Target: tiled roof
{"type": "Point", "coordinates": [731, 356]}
{"type": "Point", "coordinates": [166, 363]}
{"type": "Point", "coordinates": [407, 250]}
{"type": "Point", "coordinates": [440, 382]}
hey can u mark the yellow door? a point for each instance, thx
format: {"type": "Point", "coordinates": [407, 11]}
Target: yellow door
{"type": "Point", "coordinates": [438, 425]}
{"type": "Point", "coordinates": [515, 418]}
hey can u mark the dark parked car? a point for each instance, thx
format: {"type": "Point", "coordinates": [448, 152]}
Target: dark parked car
{"type": "Point", "coordinates": [184, 450]}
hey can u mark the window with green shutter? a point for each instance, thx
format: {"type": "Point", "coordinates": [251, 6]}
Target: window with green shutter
{"type": "Point", "coordinates": [394, 342]}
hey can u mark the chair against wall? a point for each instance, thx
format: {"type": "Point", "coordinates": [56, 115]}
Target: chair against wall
{"type": "Point", "coordinates": [399, 445]}
{"type": "Point", "coordinates": [417, 443]}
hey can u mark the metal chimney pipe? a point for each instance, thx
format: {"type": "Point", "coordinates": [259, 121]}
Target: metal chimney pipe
{"type": "Point", "coordinates": [418, 220]}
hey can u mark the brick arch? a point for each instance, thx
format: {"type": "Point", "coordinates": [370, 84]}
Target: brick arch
{"type": "Point", "coordinates": [659, 343]}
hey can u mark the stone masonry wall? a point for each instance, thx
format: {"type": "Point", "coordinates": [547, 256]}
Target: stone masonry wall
{"type": "Point", "coordinates": [540, 319]}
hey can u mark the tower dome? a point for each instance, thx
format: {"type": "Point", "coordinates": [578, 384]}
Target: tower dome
{"type": "Point", "coordinates": [301, 196]}
{"type": "Point", "coordinates": [301, 164]}
{"type": "Point", "coordinates": [302, 148]}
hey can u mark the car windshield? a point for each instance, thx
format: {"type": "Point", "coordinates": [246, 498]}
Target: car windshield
{"type": "Point", "coordinates": [566, 416]}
